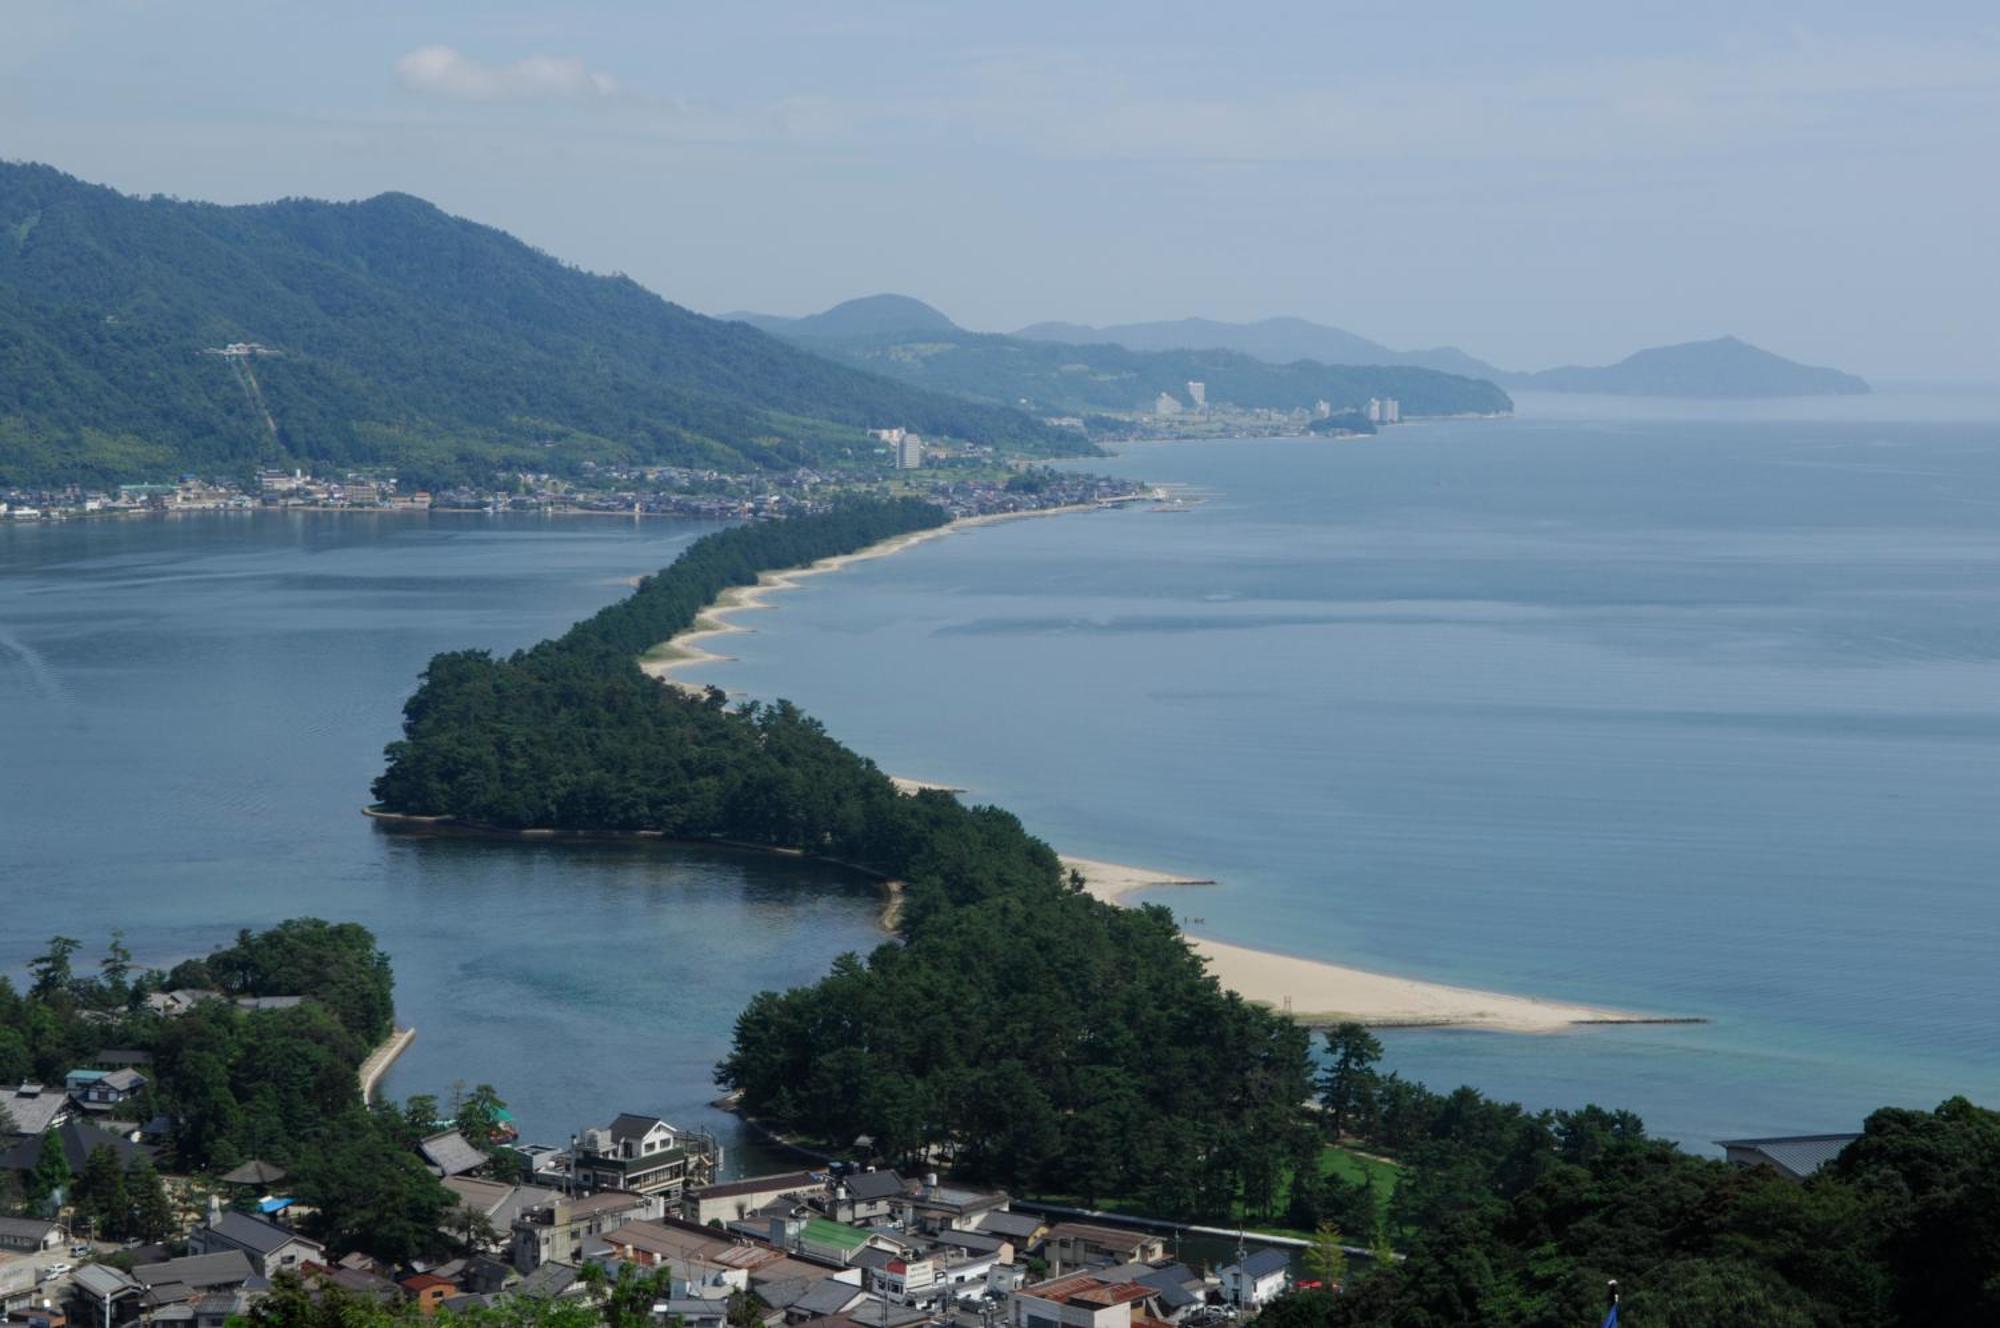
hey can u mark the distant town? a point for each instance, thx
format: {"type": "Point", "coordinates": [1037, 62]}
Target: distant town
{"type": "Point", "coordinates": [965, 479]}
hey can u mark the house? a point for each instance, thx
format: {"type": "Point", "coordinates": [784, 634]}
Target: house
{"type": "Point", "coordinates": [556, 1231]}
{"type": "Point", "coordinates": [732, 1200]}
{"type": "Point", "coordinates": [1794, 1157]}
{"type": "Point", "coordinates": [428, 1292]}
{"type": "Point", "coordinates": [694, 1313]}
{"type": "Point", "coordinates": [645, 1155]}
{"type": "Point", "coordinates": [1078, 1300]}
{"type": "Point", "coordinates": [217, 1308]}
{"type": "Point", "coordinates": [271, 1249]}
{"type": "Point", "coordinates": [173, 1004]}
{"type": "Point", "coordinates": [34, 1109]}
{"type": "Point", "coordinates": [551, 1281]}
{"type": "Point", "coordinates": [77, 1139]}
{"type": "Point", "coordinates": [449, 1154]}
{"type": "Point", "coordinates": [1179, 1290]}
{"type": "Point", "coordinates": [1256, 1279]}
{"type": "Point", "coordinates": [1023, 1230]}
{"type": "Point", "coordinates": [195, 1273]}
{"type": "Point", "coordinates": [823, 1300]}
{"type": "Point", "coordinates": [1081, 1245]}
{"type": "Point", "coordinates": [933, 1207]}
{"type": "Point", "coordinates": [29, 1235]}
{"type": "Point", "coordinates": [867, 1196]}
{"type": "Point", "coordinates": [102, 1090]}
{"type": "Point", "coordinates": [104, 1285]}
{"type": "Point", "coordinates": [364, 1284]}
{"type": "Point", "coordinates": [495, 1202]}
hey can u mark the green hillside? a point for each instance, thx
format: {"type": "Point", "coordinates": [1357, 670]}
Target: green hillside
{"type": "Point", "coordinates": [1055, 377]}
{"type": "Point", "coordinates": [404, 337]}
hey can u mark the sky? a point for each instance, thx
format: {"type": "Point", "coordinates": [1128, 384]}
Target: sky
{"type": "Point", "coordinates": [1538, 183]}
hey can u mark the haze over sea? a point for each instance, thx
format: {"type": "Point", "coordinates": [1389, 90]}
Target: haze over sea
{"type": "Point", "coordinates": [1692, 713]}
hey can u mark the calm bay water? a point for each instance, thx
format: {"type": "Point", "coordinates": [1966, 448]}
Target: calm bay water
{"type": "Point", "coordinates": [191, 711]}
{"type": "Point", "coordinates": [1696, 715]}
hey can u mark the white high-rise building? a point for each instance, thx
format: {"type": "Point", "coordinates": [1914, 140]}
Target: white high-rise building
{"type": "Point", "coordinates": [909, 452]}
{"type": "Point", "coordinates": [1374, 411]}
{"type": "Point", "coordinates": [1198, 393]}
{"type": "Point", "coordinates": [1392, 411]}
{"type": "Point", "coordinates": [1168, 404]}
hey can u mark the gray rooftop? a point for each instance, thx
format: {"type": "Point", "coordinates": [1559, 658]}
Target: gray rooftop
{"type": "Point", "coordinates": [829, 1297]}
{"type": "Point", "coordinates": [451, 1154]}
{"type": "Point", "coordinates": [254, 1233]}
{"type": "Point", "coordinates": [1798, 1155]}
{"type": "Point", "coordinates": [868, 1186]}
{"type": "Point", "coordinates": [198, 1270]}
{"type": "Point", "coordinates": [1264, 1262]}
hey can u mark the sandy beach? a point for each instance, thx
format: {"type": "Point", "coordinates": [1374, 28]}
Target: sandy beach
{"type": "Point", "coordinates": [1311, 990]}
{"type": "Point", "coordinates": [1317, 992]}
{"type": "Point", "coordinates": [688, 650]}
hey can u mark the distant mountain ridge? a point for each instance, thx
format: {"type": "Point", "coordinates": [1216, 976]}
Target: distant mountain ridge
{"type": "Point", "coordinates": [402, 336]}
{"type": "Point", "coordinates": [1279, 340]}
{"type": "Point", "coordinates": [1721, 368]}
{"type": "Point", "coordinates": [904, 338]}
{"type": "Point", "coordinates": [1724, 367]}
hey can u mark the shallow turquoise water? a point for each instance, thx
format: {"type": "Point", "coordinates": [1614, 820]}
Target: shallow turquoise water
{"type": "Point", "coordinates": [1698, 715]}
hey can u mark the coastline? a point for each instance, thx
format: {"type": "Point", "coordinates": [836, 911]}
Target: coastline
{"type": "Point", "coordinates": [381, 1058]}
{"type": "Point", "coordinates": [411, 824]}
{"type": "Point", "coordinates": [684, 650]}
{"type": "Point", "coordinates": [1313, 991]}
{"type": "Point", "coordinates": [1316, 992]}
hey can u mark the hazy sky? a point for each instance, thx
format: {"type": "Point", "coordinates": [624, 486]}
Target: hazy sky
{"type": "Point", "coordinates": [1536, 182]}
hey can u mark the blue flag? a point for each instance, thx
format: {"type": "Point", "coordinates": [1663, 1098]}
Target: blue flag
{"type": "Point", "coordinates": [1611, 1319]}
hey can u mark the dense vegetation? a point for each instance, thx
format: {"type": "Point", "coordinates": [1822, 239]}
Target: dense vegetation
{"type": "Point", "coordinates": [1050, 1042]}
{"type": "Point", "coordinates": [238, 1083]}
{"type": "Point", "coordinates": [1055, 1040]}
{"type": "Point", "coordinates": [408, 338]}
{"type": "Point", "coordinates": [235, 1083]}
{"type": "Point", "coordinates": [1520, 1218]}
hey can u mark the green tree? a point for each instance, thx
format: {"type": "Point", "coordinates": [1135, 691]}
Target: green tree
{"type": "Point", "coordinates": [480, 1117]}
{"type": "Point", "coordinates": [1347, 1088]}
{"type": "Point", "coordinates": [51, 968]}
{"type": "Point", "coordinates": [1325, 1259]}
{"type": "Point", "coordinates": [152, 1214]}
{"type": "Point", "coordinates": [100, 1193]}
{"type": "Point", "coordinates": [51, 1176]}
{"type": "Point", "coordinates": [116, 968]}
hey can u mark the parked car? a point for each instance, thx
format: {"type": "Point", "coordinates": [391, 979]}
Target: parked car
{"type": "Point", "coordinates": [80, 1249]}
{"type": "Point", "coordinates": [53, 1271]}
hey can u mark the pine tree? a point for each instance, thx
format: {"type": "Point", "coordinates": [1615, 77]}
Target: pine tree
{"type": "Point", "coordinates": [152, 1214]}
{"type": "Point", "coordinates": [51, 1175]}
{"type": "Point", "coordinates": [100, 1193]}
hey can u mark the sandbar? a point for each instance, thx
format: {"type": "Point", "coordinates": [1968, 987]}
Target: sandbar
{"type": "Point", "coordinates": [687, 649]}
{"type": "Point", "coordinates": [1316, 992]}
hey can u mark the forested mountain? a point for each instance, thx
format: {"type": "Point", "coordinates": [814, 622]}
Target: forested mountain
{"type": "Point", "coordinates": [403, 336]}
{"type": "Point", "coordinates": [906, 339]}
{"type": "Point", "coordinates": [1281, 340]}
{"type": "Point", "coordinates": [1724, 367]}
{"type": "Point", "coordinates": [870, 315]}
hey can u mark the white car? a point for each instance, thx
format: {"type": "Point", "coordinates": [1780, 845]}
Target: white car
{"type": "Point", "coordinates": [54, 1271]}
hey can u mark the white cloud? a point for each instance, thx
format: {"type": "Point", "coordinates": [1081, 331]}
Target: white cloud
{"type": "Point", "coordinates": [445, 72]}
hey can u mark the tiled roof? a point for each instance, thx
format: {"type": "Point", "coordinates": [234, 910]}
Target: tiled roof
{"type": "Point", "coordinates": [451, 1154]}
